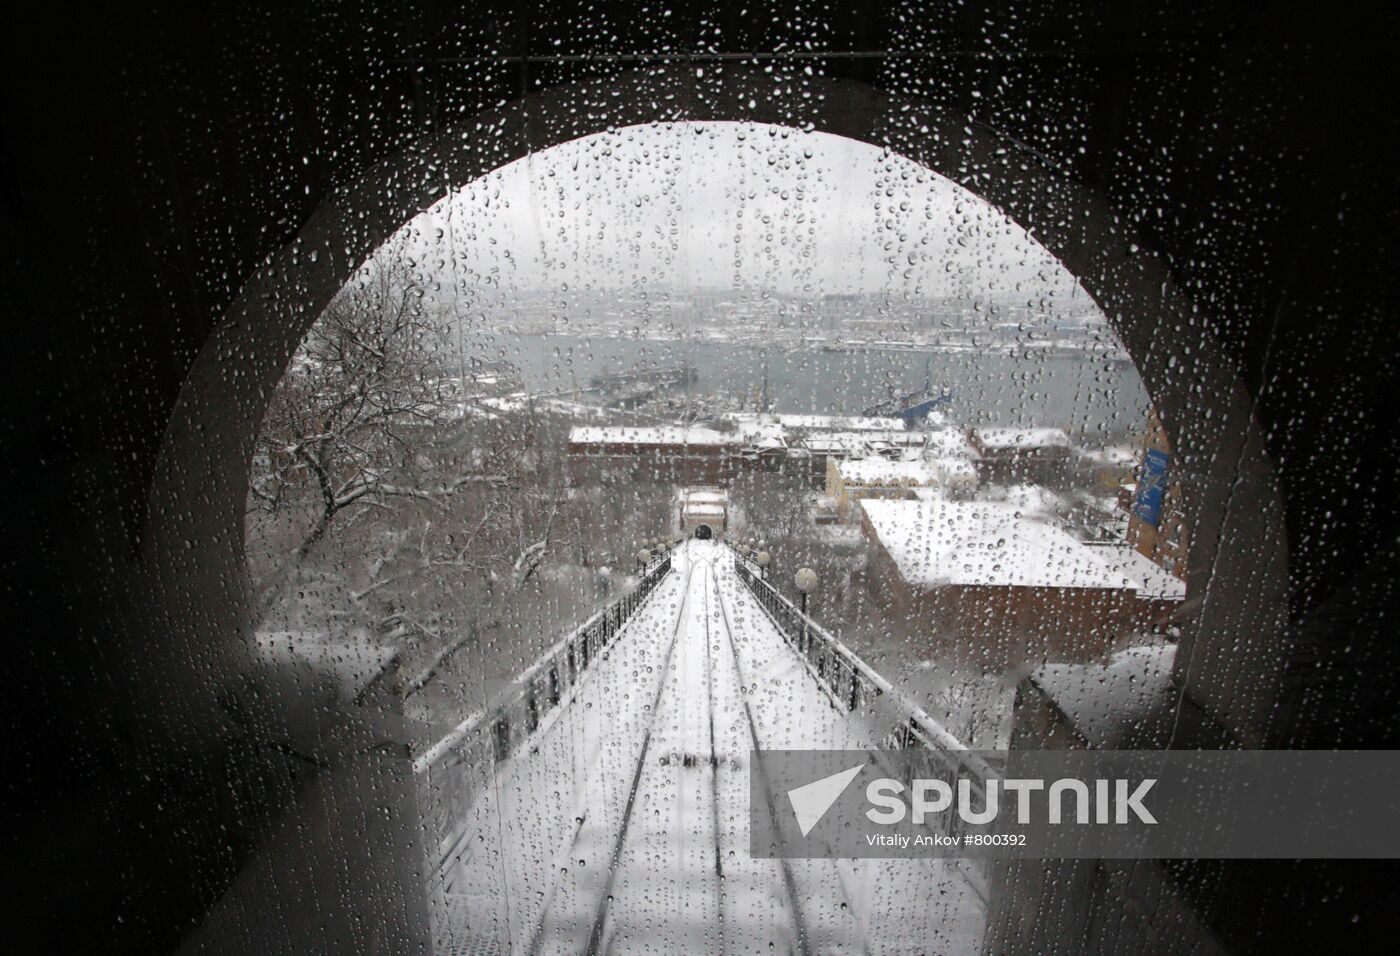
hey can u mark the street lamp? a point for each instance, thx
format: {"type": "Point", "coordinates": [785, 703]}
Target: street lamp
{"type": "Point", "coordinates": [643, 556]}
{"type": "Point", "coordinates": [762, 560]}
{"type": "Point", "coordinates": [806, 581]}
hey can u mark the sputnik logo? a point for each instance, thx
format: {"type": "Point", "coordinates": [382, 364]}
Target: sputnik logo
{"type": "Point", "coordinates": [811, 801]}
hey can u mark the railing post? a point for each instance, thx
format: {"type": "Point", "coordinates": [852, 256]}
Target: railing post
{"type": "Point", "coordinates": [803, 642]}
{"type": "Point", "coordinates": [500, 734]}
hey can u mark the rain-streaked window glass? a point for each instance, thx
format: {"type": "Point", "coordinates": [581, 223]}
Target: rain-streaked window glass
{"type": "Point", "coordinates": [673, 442]}
{"type": "Point", "coordinates": [628, 478]}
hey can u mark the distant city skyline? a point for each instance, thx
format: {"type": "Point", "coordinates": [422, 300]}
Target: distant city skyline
{"type": "Point", "coordinates": [715, 208]}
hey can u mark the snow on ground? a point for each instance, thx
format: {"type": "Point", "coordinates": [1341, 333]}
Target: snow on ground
{"type": "Point", "coordinates": [345, 662]}
{"type": "Point", "coordinates": [1131, 693]}
{"type": "Point", "coordinates": [882, 471]}
{"type": "Point", "coordinates": [574, 409]}
{"type": "Point", "coordinates": [839, 535]}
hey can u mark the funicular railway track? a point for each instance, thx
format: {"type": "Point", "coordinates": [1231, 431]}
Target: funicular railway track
{"type": "Point", "coordinates": [595, 935]}
{"type": "Point", "coordinates": [708, 647]}
{"type": "Point", "coordinates": [789, 884]}
{"type": "Point", "coordinates": [623, 825]}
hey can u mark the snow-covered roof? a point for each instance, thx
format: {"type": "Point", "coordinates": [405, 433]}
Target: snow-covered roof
{"type": "Point", "coordinates": [945, 542]}
{"type": "Point", "coordinates": [506, 403]}
{"type": "Point", "coordinates": [1152, 581]}
{"type": "Point", "coordinates": [954, 469]}
{"type": "Point", "coordinates": [874, 437]}
{"type": "Point", "coordinates": [1002, 438]}
{"type": "Point", "coordinates": [1113, 455]}
{"type": "Point", "coordinates": [858, 442]}
{"type": "Point", "coordinates": [835, 442]}
{"type": "Point", "coordinates": [947, 443]}
{"type": "Point", "coordinates": [841, 423]}
{"type": "Point", "coordinates": [762, 434]}
{"type": "Point", "coordinates": [855, 423]}
{"type": "Point", "coordinates": [705, 494]}
{"type": "Point", "coordinates": [649, 435]}
{"type": "Point", "coordinates": [883, 471]}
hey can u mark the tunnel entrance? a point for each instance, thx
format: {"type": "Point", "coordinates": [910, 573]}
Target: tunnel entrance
{"type": "Point", "coordinates": [964, 467]}
{"type": "Point", "coordinates": [693, 453]}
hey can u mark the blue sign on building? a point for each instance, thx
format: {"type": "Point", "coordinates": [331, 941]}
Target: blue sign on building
{"type": "Point", "coordinates": [1152, 483]}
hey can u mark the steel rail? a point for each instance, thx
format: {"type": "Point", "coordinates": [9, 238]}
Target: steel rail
{"type": "Point", "coordinates": [789, 882]}
{"type": "Point", "coordinates": [595, 936]}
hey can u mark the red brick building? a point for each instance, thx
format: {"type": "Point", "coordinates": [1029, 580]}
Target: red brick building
{"type": "Point", "coordinates": [983, 576]}
{"type": "Point", "coordinates": [667, 454]}
{"type": "Point", "coordinates": [1006, 456]}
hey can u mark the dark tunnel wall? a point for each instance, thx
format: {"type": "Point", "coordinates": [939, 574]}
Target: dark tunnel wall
{"type": "Point", "coordinates": [153, 160]}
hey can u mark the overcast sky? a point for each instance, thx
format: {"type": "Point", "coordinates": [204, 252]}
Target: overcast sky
{"type": "Point", "coordinates": [724, 205]}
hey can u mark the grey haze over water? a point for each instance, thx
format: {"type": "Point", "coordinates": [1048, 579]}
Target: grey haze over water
{"type": "Point", "coordinates": [1093, 398]}
{"type": "Point", "coordinates": [659, 214]}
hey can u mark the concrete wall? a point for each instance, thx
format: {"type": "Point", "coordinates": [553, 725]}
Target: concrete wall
{"type": "Point", "coordinates": [626, 464]}
{"type": "Point", "coordinates": [1049, 467]}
